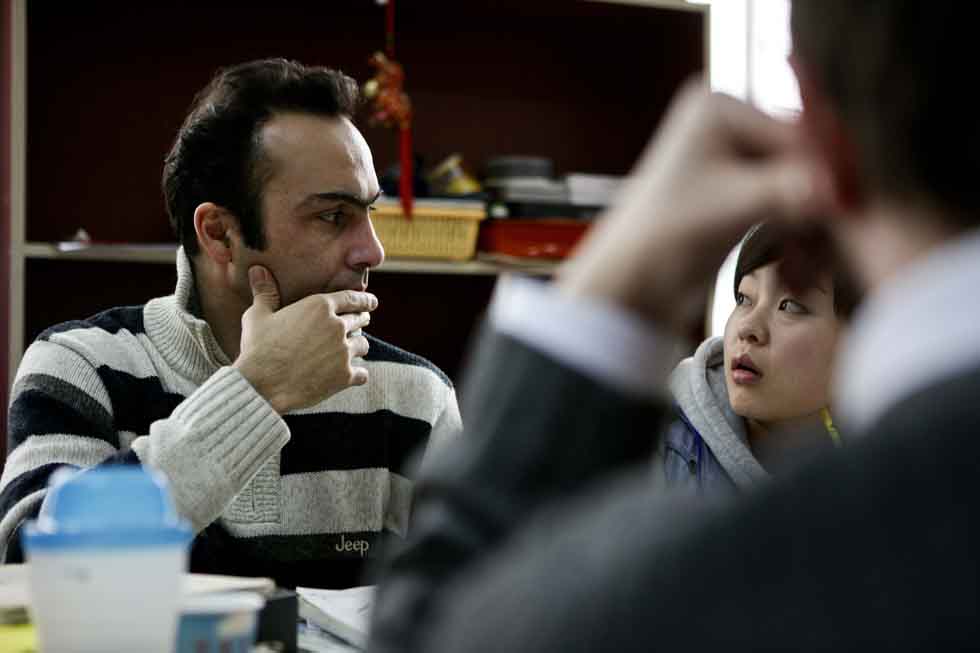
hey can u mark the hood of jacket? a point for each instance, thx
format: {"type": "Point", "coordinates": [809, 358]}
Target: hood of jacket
{"type": "Point", "coordinates": [698, 387]}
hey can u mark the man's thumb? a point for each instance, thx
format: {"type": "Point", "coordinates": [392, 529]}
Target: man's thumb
{"type": "Point", "coordinates": [265, 291]}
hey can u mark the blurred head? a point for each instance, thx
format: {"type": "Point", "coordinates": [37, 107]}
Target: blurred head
{"type": "Point", "coordinates": [780, 341]}
{"type": "Point", "coordinates": [883, 86]}
{"type": "Point", "coordinates": [269, 169]}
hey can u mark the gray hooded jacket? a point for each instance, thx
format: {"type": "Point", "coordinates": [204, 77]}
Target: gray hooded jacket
{"type": "Point", "coordinates": [706, 449]}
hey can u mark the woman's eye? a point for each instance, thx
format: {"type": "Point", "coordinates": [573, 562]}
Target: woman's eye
{"type": "Point", "coordinates": [740, 299]}
{"type": "Point", "coordinates": [792, 306]}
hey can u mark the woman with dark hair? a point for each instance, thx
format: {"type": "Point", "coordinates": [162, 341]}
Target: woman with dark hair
{"type": "Point", "coordinates": [738, 393]}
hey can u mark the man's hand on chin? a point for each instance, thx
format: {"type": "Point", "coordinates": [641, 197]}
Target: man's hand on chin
{"type": "Point", "coordinates": [301, 354]}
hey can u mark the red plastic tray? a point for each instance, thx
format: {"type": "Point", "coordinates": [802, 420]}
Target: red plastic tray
{"type": "Point", "coordinates": [548, 238]}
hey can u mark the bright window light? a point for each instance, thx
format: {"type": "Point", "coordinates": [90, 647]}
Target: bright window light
{"type": "Point", "coordinates": [750, 43]}
{"type": "Point", "coordinates": [729, 36]}
{"type": "Point", "coordinates": [772, 85]}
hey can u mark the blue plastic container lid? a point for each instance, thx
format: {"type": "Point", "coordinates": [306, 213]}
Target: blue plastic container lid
{"type": "Point", "coordinates": [106, 507]}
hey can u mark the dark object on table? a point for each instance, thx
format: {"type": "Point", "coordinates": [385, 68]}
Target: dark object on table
{"type": "Point", "coordinates": [277, 620]}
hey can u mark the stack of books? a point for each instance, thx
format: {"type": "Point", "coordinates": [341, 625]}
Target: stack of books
{"type": "Point", "coordinates": [592, 190]}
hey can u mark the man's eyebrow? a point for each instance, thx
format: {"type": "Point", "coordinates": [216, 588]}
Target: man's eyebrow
{"type": "Point", "coordinates": [339, 196]}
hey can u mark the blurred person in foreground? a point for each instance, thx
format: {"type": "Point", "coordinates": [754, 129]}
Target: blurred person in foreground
{"type": "Point", "coordinates": [540, 533]}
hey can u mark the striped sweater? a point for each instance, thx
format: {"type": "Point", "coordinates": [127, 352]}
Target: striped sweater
{"type": "Point", "coordinates": [304, 498]}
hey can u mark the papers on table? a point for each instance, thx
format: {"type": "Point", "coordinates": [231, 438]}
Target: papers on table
{"type": "Point", "coordinates": [195, 584]}
{"type": "Point", "coordinates": [14, 594]}
{"type": "Point", "coordinates": [15, 587]}
{"type": "Point", "coordinates": [345, 613]}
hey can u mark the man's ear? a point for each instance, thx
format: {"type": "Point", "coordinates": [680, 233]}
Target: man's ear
{"type": "Point", "coordinates": [216, 229]}
{"type": "Point", "coordinates": [824, 129]}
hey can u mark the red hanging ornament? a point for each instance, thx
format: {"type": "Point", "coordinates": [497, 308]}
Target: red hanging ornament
{"type": "Point", "coordinates": [391, 106]}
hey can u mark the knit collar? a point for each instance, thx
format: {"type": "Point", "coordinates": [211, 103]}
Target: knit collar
{"type": "Point", "coordinates": [175, 326]}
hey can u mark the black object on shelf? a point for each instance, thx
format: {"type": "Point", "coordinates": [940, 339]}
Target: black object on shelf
{"type": "Point", "coordinates": [505, 167]}
{"type": "Point", "coordinates": [546, 210]}
{"type": "Point", "coordinates": [390, 178]}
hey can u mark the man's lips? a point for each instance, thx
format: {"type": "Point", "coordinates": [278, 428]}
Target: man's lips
{"type": "Point", "coordinates": [357, 285]}
{"type": "Point", "coordinates": [745, 371]}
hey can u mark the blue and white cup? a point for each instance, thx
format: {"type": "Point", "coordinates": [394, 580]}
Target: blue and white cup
{"type": "Point", "coordinates": [106, 555]}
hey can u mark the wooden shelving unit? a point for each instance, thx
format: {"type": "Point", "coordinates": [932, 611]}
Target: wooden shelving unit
{"type": "Point", "coordinates": [99, 90]}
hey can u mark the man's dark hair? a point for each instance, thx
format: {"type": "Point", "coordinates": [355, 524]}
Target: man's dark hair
{"type": "Point", "coordinates": [897, 73]}
{"type": "Point", "coordinates": [766, 243]}
{"type": "Point", "coordinates": [218, 155]}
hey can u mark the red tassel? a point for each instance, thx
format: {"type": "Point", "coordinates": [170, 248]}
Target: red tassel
{"type": "Point", "coordinates": [407, 173]}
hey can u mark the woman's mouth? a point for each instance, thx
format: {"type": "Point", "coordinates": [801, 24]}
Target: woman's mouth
{"type": "Point", "coordinates": [744, 371]}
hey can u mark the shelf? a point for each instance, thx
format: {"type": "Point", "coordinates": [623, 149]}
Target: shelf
{"type": "Point", "coordinates": [682, 5]}
{"type": "Point", "coordinates": [580, 107]}
{"type": "Point", "coordinates": [133, 253]}
{"type": "Point", "coordinates": [165, 253]}
{"type": "Point", "coordinates": [478, 266]}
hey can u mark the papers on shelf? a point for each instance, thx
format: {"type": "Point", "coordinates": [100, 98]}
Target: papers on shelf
{"type": "Point", "coordinates": [592, 190]}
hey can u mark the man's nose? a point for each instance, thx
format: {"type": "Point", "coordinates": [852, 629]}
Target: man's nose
{"type": "Point", "coordinates": [366, 250]}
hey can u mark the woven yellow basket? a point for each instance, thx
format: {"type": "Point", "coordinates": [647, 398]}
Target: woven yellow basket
{"type": "Point", "coordinates": [438, 230]}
